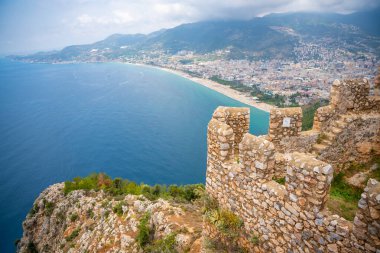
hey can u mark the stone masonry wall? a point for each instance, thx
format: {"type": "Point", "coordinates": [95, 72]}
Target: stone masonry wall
{"type": "Point", "coordinates": [302, 143]}
{"type": "Point", "coordinates": [350, 95]}
{"type": "Point", "coordinates": [322, 115]}
{"type": "Point", "coordinates": [347, 96]}
{"type": "Point", "coordinates": [284, 122]}
{"type": "Point", "coordinates": [290, 217]}
{"type": "Point", "coordinates": [358, 141]}
{"type": "Point", "coordinates": [237, 118]}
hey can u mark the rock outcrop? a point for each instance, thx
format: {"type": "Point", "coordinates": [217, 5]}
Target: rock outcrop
{"type": "Point", "coordinates": [89, 221]}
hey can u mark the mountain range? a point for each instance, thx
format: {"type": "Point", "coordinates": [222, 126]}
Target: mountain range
{"type": "Point", "coordinates": [272, 36]}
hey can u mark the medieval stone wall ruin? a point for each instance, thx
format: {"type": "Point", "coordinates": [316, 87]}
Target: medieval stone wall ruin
{"type": "Point", "coordinates": [292, 217]}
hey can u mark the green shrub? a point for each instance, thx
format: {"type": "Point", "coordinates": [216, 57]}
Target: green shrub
{"type": "Point", "coordinates": [280, 180]}
{"type": "Point", "coordinates": [228, 223]}
{"type": "Point", "coordinates": [118, 208]}
{"type": "Point", "coordinates": [119, 187]}
{"type": "Point", "coordinates": [32, 248]}
{"type": "Point", "coordinates": [255, 240]}
{"type": "Point", "coordinates": [74, 217]}
{"type": "Point", "coordinates": [166, 244]}
{"type": "Point", "coordinates": [34, 210]}
{"type": "Point", "coordinates": [144, 231]}
{"type": "Point", "coordinates": [49, 207]}
{"type": "Point", "coordinates": [73, 235]}
{"type": "Point", "coordinates": [60, 217]}
{"type": "Point", "coordinates": [89, 214]}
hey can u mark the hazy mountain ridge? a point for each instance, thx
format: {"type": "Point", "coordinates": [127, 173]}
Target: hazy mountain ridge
{"type": "Point", "coordinates": [272, 36]}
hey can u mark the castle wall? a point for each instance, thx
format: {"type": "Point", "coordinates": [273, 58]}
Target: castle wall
{"type": "Point", "coordinates": [350, 95]}
{"type": "Point", "coordinates": [358, 140]}
{"type": "Point", "coordinates": [347, 96]}
{"type": "Point", "coordinates": [237, 118]}
{"type": "Point", "coordinates": [322, 116]}
{"type": "Point", "coordinates": [302, 143]}
{"type": "Point", "coordinates": [284, 122]}
{"type": "Point", "coordinates": [284, 218]}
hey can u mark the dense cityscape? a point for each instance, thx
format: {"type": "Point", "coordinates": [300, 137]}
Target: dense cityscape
{"type": "Point", "coordinates": [299, 82]}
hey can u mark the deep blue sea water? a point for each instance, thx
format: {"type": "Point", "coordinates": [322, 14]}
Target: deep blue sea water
{"type": "Point", "coordinates": [62, 121]}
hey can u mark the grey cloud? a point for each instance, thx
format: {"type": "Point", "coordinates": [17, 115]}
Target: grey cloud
{"type": "Point", "coordinates": [46, 24]}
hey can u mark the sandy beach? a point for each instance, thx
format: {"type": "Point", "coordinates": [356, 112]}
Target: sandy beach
{"type": "Point", "coordinates": [225, 90]}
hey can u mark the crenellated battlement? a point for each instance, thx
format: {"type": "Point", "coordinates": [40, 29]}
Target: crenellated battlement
{"type": "Point", "coordinates": [290, 217]}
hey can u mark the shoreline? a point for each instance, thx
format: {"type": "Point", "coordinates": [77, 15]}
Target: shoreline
{"type": "Point", "coordinates": [220, 88]}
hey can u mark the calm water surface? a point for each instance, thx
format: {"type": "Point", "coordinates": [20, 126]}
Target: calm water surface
{"type": "Point", "coordinates": [62, 121]}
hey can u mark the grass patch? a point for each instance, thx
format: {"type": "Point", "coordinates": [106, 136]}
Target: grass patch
{"type": "Point", "coordinates": [341, 189]}
{"type": "Point", "coordinates": [343, 199]}
{"type": "Point", "coordinates": [119, 187]}
{"type": "Point", "coordinates": [343, 208]}
{"type": "Point", "coordinates": [308, 112]}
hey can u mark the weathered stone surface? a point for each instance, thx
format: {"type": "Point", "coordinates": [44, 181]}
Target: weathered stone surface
{"type": "Point", "coordinates": [102, 230]}
{"type": "Point", "coordinates": [290, 217]}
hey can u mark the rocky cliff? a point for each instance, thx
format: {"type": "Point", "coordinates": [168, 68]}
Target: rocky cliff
{"type": "Point", "coordinates": [94, 221]}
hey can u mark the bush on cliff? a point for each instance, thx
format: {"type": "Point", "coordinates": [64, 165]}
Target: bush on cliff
{"type": "Point", "coordinates": [144, 231]}
{"type": "Point", "coordinates": [119, 186]}
{"type": "Point", "coordinates": [225, 221]}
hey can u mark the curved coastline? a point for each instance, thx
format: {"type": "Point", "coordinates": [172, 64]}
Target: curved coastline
{"type": "Point", "coordinates": [225, 90]}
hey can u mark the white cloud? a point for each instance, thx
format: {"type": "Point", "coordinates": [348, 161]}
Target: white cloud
{"type": "Point", "coordinates": [82, 21]}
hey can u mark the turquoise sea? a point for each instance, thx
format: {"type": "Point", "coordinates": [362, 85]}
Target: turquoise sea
{"type": "Point", "coordinates": [66, 120]}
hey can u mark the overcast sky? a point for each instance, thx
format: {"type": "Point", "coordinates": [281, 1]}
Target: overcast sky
{"type": "Point", "coordinates": [30, 25]}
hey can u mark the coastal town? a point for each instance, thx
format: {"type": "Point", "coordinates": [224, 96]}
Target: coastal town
{"type": "Point", "coordinates": [298, 82]}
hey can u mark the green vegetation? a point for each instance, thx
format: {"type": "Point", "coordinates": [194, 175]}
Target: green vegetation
{"type": "Point", "coordinates": [90, 213]}
{"type": "Point", "coordinates": [49, 207]}
{"type": "Point", "coordinates": [74, 217]}
{"type": "Point", "coordinates": [280, 180]}
{"type": "Point", "coordinates": [341, 189]}
{"type": "Point", "coordinates": [34, 210]}
{"type": "Point", "coordinates": [254, 91]}
{"type": "Point", "coordinates": [166, 244]}
{"type": "Point", "coordinates": [354, 168]}
{"type": "Point", "coordinates": [120, 187]}
{"type": "Point", "coordinates": [61, 217]}
{"type": "Point", "coordinates": [255, 239]}
{"type": "Point", "coordinates": [118, 209]}
{"type": "Point", "coordinates": [144, 231]}
{"type": "Point", "coordinates": [186, 61]}
{"type": "Point", "coordinates": [73, 235]}
{"type": "Point", "coordinates": [228, 223]}
{"type": "Point", "coordinates": [308, 112]}
{"type": "Point", "coordinates": [148, 244]}
{"type": "Point", "coordinates": [32, 248]}
{"type": "Point", "coordinates": [344, 197]}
